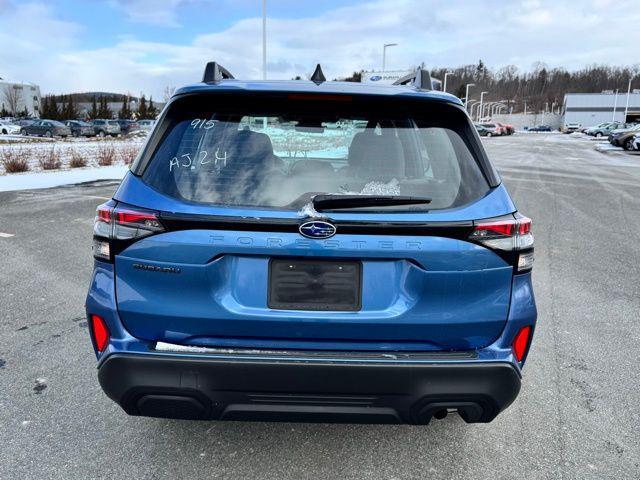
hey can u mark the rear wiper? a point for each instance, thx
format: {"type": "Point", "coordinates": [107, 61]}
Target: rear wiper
{"type": "Point", "coordinates": [338, 202]}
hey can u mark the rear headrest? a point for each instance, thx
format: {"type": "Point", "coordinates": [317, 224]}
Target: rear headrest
{"type": "Point", "coordinates": [311, 168]}
{"type": "Point", "coordinates": [251, 144]}
{"type": "Point", "coordinates": [376, 157]}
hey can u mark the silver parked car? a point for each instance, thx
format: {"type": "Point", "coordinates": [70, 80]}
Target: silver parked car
{"type": "Point", "coordinates": [102, 128]}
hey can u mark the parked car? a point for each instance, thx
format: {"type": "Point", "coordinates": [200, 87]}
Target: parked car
{"type": "Point", "coordinates": [24, 122]}
{"type": "Point", "coordinates": [102, 128]}
{"type": "Point", "coordinates": [146, 124]}
{"type": "Point", "coordinates": [9, 128]}
{"type": "Point", "coordinates": [540, 128]}
{"type": "Point", "coordinates": [624, 137]}
{"type": "Point", "coordinates": [127, 126]}
{"type": "Point", "coordinates": [233, 283]}
{"type": "Point", "coordinates": [493, 129]}
{"type": "Point", "coordinates": [506, 128]}
{"type": "Point", "coordinates": [604, 130]}
{"type": "Point", "coordinates": [572, 127]}
{"type": "Point", "coordinates": [483, 132]}
{"type": "Point", "coordinates": [46, 128]}
{"type": "Point", "coordinates": [587, 128]}
{"type": "Point", "coordinates": [80, 128]}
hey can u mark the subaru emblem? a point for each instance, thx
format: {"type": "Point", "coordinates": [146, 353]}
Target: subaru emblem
{"type": "Point", "coordinates": [375, 78]}
{"type": "Point", "coordinates": [317, 229]}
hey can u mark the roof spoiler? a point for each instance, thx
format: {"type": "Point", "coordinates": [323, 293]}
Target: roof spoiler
{"type": "Point", "coordinates": [421, 79]}
{"type": "Point", "coordinates": [214, 72]}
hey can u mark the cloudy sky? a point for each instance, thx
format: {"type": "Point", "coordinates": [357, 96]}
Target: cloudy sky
{"type": "Point", "coordinates": [146, 45]}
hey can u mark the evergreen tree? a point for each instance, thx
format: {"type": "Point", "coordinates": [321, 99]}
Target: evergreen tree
{"type": "Point", "coordinates": [94, 109]}
{"type": "Point", "coordinates": [54, 113]}
{"type": "Point", "coordinates": [354, 77]}
{"type": "Point", "coordinates": [125, 111]}
{"type": "Point", "coordinates": [63, 108]}
{"type": "Point", "coordinates": [4, 112]}
{"type": "Point", "coordinates": [70, 111]}
{"type": "Point", "coordinates": [142, 108]}
{"type": "Point", "coordinates": [107, 111]}
{"type": "Point", "coordinates": [152, 111]}
{"type": "Point", "coordinates": [44, 110]}
{"type": "Point", "coordinates": [103, 109]}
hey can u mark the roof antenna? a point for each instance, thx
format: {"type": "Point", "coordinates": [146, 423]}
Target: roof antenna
{"type": "Point", "coordinates": [318, 77]}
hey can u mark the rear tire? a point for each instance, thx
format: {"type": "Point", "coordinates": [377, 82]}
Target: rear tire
{"type": "Point", "coordinates": [101, 134]}
{"type": "Point", "coordinates": [489, 134]}
{"type": "Point", "coordinates": [49, 134]}
{"type": "Point", "coordinates": [598, 135]}
{"type": "Point", "coordinates": [628, 145]}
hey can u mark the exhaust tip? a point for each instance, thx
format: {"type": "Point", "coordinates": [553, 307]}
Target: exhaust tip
{"type": "Point", "coordinates": [440, 414]}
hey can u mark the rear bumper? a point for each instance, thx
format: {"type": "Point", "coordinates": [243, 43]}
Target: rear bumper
{"type": "Point", "coordinates": [300, 389]}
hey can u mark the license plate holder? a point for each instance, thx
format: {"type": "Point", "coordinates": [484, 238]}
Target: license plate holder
{"type": "Point", "coordinates": [315, 285]}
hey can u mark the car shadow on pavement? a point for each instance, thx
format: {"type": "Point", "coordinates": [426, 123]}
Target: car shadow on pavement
{"type": "Point", "coordinates": [296, 450]}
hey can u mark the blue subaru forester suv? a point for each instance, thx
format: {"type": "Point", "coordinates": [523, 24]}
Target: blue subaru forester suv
{"type": "Point", "coordinates": [312, 251]}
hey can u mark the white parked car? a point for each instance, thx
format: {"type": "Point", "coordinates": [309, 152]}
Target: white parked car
{"type": "Point", "coordinates": [8, 128]}
{"type": "Point", "coordinates": [572, 127]}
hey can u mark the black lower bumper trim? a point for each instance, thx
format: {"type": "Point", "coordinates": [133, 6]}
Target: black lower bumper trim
{"type": "Point", "coordinates": [171, 386]}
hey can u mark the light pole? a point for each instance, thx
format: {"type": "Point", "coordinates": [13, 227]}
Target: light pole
{"type": "Point", "coordinates": [486, 109]}
{"type": "Point", "coordinates": [626, 108]}
{"type": "Point", "coordinates": [264, 39]}
{"type": "Point", "coordinates": [466, 96]}
{"type": "Point", "coordinates": [384, 56]}
{"type": "Point", "coordinates": [473, 106]}
{"type": "Point", "coordinates": [444, 85]}
{"type": "Point", "coordinates": [481, 101]}
{"type": "Point", "coordinates": [615, 106]}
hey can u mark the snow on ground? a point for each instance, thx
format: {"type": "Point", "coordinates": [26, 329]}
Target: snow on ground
{"type": "Point", "coordinates": [104, 159]}
{"type": "Point", "coordinates": [607, 147]}
{"type": "Point", "coordinates": [56, 178]}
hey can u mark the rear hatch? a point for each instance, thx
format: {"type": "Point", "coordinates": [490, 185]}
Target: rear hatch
{"type": "Point", "coordinates": [241, 251]}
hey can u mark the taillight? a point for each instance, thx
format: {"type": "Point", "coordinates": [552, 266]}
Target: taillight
{"type": "Point", "coordinates": [509, 236]}
{"type": "Point", "coordinates": [116, 226]}
{"type": "Point", "coordinates": [521, 342]}
{"type": "Point", "coordinates": [100, 332]}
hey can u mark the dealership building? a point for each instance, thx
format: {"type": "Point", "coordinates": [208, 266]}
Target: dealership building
{"type": "Point", "coordinates": [594, 108]}
{"type": "Point", "coordinates": [15, 97]}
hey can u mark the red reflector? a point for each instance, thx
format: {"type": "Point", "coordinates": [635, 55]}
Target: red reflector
{"type": "Point", "coordinates": [100, 332]}
{"type": "Point", "coordinates": [520, 343]}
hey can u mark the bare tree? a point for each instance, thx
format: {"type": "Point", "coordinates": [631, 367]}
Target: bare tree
{"type": "Point", "coordinates": [13, 94]}
{"type": "Point", "coordinates": [168, 91]}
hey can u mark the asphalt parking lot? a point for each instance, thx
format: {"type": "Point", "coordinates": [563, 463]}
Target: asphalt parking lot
{"type": "Point", "coordinates": [578, 415]}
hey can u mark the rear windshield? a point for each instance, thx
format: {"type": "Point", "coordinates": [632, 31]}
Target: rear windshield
{"type": "Point", "coordinates": [281, 154]}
